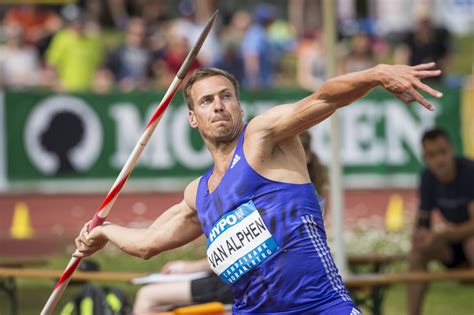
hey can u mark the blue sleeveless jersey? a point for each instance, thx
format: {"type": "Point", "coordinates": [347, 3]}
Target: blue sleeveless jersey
{"type": "Point", "coordinates": [267, 240]}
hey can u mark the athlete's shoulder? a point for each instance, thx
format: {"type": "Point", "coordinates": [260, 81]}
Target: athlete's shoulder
{"type": "Point", "coordinates": [190, 193]}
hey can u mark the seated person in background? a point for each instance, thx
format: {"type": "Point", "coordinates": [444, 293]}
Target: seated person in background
{"type": "Point", "coordinates": [447, 185]}
{"type": "Point", "coordinates": [156, 296]}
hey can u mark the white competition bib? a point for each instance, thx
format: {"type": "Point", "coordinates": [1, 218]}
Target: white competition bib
{"type": "Point", "coordinates": [238, 242]}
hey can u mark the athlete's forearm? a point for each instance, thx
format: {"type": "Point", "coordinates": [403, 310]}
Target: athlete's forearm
{"type": "Point", "coordinates": [345, 89]}
{"type": "Point", "coordinates": [131, 241]}
{"type": "Point", "coordinates": [172, 229]}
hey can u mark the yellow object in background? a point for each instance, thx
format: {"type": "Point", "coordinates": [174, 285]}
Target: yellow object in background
{"type": "Point", "coordinates": [467, 118]}
{"type": "Point", "coordinates": [394, 213]}
{"type": "Point", "coordinates": [206, 308]}
{"type": "Point", "coordinates": [21, 224]}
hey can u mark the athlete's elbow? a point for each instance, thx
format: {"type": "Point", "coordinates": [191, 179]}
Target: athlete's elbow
{"type": "Point", "coordinates": [146, 255]}
{"type": "Point", "coordinates": [148, 252]}
{"type": "Point", "coordinates": [148, 248]}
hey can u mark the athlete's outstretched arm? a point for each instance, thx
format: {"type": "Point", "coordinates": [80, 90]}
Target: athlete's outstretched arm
{"type": "Point", "coordinates": [404, 82]}
{"type": "Point", "coordinates": [177, 226]}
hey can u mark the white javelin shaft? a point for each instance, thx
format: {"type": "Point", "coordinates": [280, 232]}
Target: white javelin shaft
{"type": "Point", "coordinates": [111, 197]}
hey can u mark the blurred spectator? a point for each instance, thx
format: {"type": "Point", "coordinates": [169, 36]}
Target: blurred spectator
{"type": "Point", "coordinates": [172, 59]}
{"type": "Point", "coordinates": [360, 56]}
{"type": "Point", "coordinates": [189, 27]}
{"type": "Point", "coordinates": [75, 54]}
{"type": "Point", "coordinates": [311, 68]}
{"type": "Point", "coordinates": [103, 81]}
{"type": "Point", "coordinates": [447, 185]}
{"type": "Point", "coordinates": [282, 35]}
{"type": "Point", "coordinates": [118, 12]}
{"type": "Point", "coordinates": [257, 49]}
{"type": "Point", "coordinates": [38, 22]}
{"type": "Point", "coordinates": [20, 65]}
{"type": "Point", "coordinates": [230, 39]}
{"type": "Point", "coordinates": [426, 43]}
{"type": "Point", "coordinates": [153, 297]}
{"type": "Point", "coordinates": [130, 62]}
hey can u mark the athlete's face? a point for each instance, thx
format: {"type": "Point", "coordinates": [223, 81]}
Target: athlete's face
{"type": "Point", "coordinates": [440, 158]}
{"type": "Point", "coordinates": [216, 110]}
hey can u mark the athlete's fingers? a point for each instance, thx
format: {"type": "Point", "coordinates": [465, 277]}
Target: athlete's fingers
{"type": "Point", "coordinates": [427, 74]}
{"type": "Point", "coordinates": [421, 86]}
{"type": "Point", "coordinates": [420, 99]}
{"type": "Point", "coordinates": [425, 66]}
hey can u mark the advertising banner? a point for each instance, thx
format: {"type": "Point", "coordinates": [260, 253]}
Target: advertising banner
{"type": "Point", "coordinates": [80, 142]}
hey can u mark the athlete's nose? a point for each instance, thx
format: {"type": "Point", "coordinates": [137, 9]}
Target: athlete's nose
{"type": "Point", "coordinates": [218, 105]}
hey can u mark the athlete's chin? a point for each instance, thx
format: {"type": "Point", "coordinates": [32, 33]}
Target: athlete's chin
{"type": "Point", "coordinates": [223, 135]}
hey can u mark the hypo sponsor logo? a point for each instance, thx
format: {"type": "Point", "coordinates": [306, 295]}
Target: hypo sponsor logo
{"type": "Point", "coordinates": [222, 225]}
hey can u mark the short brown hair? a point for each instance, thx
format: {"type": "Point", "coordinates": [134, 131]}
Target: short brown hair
{"type": "Point", "coordinates": [206, 73]}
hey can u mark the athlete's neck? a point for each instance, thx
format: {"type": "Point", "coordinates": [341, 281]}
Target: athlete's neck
{"type": "Point", "coordinates": [223, 151]}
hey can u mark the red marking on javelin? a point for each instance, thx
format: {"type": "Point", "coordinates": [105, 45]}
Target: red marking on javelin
{"type": "Point", "coordinates": [111, 195]}
{"type": "Point", "coordinates": [162, 107]}
{"type": "Point", "coordinates": [67, 273]}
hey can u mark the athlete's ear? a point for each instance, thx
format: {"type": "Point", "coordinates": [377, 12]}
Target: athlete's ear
{"type": "Point", "coordinates": [192, 119]}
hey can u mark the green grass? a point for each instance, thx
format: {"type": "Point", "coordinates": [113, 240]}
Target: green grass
{"type": "Point", "coordinates": [442, 298]}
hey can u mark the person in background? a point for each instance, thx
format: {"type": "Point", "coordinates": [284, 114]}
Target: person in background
{"type": "Point", "coordinates": [425, 43]}
{"type": "Point", "coordinates": [161, 296]}
{"type": "Point", "coordinates": [360, 56]}
{"type": "Point", "coordinates": [39, 24]}
{"type": "Point", "coordinates": [311, 68]}
{"type": "Point", "coordinates": [75, 54]}
{"type": "Point", "coordinates": [172, 57]}
{"type": "Point", "coordinates": [130, 62]}
{"type": "Point", "coordinates": [447, 185]}
{"type": "Point", "coordinates": [230, 38]}
{"type": "Point", "coordinates": [257, 49]}
{"type": "Point", "coordinates": [20, 65]}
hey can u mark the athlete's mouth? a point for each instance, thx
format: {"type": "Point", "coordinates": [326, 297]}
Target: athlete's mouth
{"type": "Point", "coordinates": [219, 118]}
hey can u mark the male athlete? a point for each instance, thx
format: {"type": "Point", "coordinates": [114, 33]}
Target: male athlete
{"type": "Point", "coordinates": [256, 205]}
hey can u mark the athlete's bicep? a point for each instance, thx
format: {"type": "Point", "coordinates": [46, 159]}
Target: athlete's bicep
{"type": "Point", "coordinates": [286, 121]}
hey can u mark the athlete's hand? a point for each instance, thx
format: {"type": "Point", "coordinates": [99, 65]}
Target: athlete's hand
{"type": "Point", "coordinates": [88, 243]}
{"type": "Point", "coordinates": [405, 81]}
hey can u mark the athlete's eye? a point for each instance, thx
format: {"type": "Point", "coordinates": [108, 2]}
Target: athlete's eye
{"type": "Point", "coordinates": [206, 100]}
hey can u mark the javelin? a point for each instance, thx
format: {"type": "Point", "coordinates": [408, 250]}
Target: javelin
{"type": "Point", "coordinates": [127, 169]}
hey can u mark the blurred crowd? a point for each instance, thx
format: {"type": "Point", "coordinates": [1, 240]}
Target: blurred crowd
{"type": "Point", "coordinates": [128, 45]}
